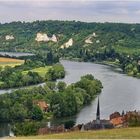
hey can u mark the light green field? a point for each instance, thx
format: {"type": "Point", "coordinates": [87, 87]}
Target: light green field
{"type": "Point", "coordinates": [122, 133]}
{"type": "Point", "coordinates": [41, 70]}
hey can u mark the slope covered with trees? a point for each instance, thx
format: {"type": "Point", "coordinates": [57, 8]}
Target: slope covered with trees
{"type": "Point", "coordinates": [115, 42]}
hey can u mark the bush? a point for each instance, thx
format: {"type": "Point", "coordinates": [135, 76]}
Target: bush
{"type": "Point", "coordinates": [26, 128]}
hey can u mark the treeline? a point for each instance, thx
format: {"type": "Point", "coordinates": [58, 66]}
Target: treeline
{"type": "Point", "coordinates": [11, 77]}
{"type": "Point", "coordinates": [15, 77]}
{"type": "Point", "coordinates": [64, 101]}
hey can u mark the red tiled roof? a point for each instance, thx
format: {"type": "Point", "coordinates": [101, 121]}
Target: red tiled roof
{"type": "Point", "coordinates": [117, 121]}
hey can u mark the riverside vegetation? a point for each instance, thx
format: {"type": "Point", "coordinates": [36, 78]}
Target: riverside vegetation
{"type": "Point", "coordinates": [32, 71]}
{"type": "Point", "coordinates": [114, 42]}
{"type": "Point", "coordinates": [19, 109]}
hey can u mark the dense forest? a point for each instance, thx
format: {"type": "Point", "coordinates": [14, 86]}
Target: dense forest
{"type": "Point", "coordinates": [115, 43]}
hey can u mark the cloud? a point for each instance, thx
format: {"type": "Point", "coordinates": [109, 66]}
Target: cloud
{"type": "Point", "coordinates": [84, 10]}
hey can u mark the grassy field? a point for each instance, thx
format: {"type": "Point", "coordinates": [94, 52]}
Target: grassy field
{"type": "Point", "coordinates": [123, 133]}
{"type": "Point", "coordinates": [41, 70]}
{"type": "Point", "coordinates": [10, 62]}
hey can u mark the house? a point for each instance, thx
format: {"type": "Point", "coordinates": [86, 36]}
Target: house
{"type": "Point", "coordinates": [118, 120]}
{"type": "Point", "coordinates": [42, 105]}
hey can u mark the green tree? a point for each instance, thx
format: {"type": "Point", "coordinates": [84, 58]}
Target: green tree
{"type": "Point", "coordinates": [61, 86]}
{"type": "Point", "coordinates": [37, 113]}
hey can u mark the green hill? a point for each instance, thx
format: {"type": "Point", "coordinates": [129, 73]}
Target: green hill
{"type": "Point", "coordinates": [115, 42]}
{"type": "Point", "coordinates": [102, 35]}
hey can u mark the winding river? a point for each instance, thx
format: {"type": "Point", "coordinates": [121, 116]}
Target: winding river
{"type": "Point", "coordinates": [120, 92]}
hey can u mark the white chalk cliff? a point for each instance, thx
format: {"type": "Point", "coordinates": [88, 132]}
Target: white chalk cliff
{"type": "Point", "coordinates": [89, 39]}
{"type": "Point", "coordinates": [67, 44]}
{"type": "Point", "coordinates": [43, 37]}
{"type": "Point", "coordinates": [9, 37]}
{"type": "Point", "coordinates": [54, 39]}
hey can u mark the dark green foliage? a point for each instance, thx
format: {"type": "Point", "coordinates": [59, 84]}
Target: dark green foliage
{"type": "Point", "coordinates": [36, 113]}
{"type": "Point", "coordinates": [70, 100]}
{"type": "Point", "coordinates": [134, 121]}
{"type": "Point", "coordinates": [17, 79]}
{"type": "Point", "coordinates": [56, 72]}
{"type": "Point", "coordinates": [69, 124]}
{"type": "Point", "coordinates": [67, 101]}
{"type": "Point", "coordinates": [61, 86]}
{"type": "Point", "coordinates": [26, 128]}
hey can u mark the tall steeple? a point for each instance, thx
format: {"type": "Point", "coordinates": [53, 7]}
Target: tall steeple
{"type": "Point", "coordinates": [98, 111]}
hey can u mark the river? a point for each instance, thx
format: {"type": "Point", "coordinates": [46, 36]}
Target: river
{"type": "Point", "coordinates": [16, 54]}
{"type": "Point", "coordinates": [120, 92]}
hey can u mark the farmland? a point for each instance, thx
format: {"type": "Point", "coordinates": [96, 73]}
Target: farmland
{"type": "Point", "coordinates": [10, 62]}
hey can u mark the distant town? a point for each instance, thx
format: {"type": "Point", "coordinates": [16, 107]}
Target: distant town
{"type": "Point", "coordinates": [116, 120]}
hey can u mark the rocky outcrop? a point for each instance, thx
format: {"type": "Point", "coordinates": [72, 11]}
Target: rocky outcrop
{"type": "Point", "coordinates": [54, 38]}
{"type": "Point", "coordinates": [67, 44]}
{"type": "Point", "coordinates": [9, 37]}
{"type": "Point", "coordinates": [89, 39]}
{"type": "Point", "coordinates": [43, 37]}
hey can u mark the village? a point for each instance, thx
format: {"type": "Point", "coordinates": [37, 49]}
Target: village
{"type": "Point", "coordinates": [116, 120]}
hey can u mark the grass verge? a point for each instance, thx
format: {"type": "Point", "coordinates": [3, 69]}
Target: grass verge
{"type": "Point", "coordinates": [122, 133]}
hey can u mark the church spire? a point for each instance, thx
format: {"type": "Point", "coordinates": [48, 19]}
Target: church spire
{"type": "Point", "coordinates": [98, 111]}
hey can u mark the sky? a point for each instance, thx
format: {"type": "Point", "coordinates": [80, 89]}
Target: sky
{"type": "Point", "coordinates": [125, 11]}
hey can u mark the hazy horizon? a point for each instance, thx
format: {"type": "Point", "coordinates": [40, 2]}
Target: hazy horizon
{"type": "Point", "coordinates": [78, 10]}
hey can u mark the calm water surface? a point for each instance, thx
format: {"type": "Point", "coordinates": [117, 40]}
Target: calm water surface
{"type": "Point", "coordinates": [120, 92]}
{"type": "Point", "coordinates": [16, 54]}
